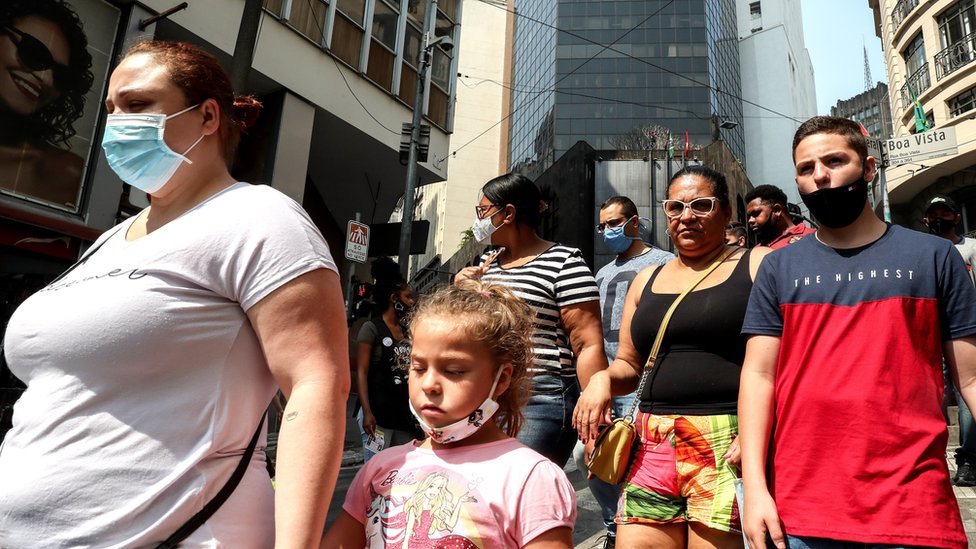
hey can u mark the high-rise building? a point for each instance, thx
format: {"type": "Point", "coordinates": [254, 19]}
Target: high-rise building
{"type": "Point", "coordinates": [778, 75]}
{"type": "Point", "coordinates": [870, 108]}
{"type": "Point", "coordinates": [930, 57]}
{"type": "Point", "coordinates": [596, 70]}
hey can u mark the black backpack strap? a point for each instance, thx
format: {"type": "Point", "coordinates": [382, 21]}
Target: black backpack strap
{"type": "Point", "coordinates": [211, 507]}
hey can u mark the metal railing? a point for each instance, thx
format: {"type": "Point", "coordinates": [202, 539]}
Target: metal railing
{"type": "Point", "coordinates": [901, 11]}
{"type": "Point", "coordinates": [956, 56]}
{"type": "Point", "coordinates": [918, 82]}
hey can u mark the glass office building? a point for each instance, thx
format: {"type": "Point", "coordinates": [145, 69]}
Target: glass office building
{"type": "Point", "coordinates": [670, 63]}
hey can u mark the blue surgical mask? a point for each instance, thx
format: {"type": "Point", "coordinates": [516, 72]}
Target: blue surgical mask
{"type": "Point", "coordinates": [616, 240]}
{"type": "Point", "coordinates": [137, 153]}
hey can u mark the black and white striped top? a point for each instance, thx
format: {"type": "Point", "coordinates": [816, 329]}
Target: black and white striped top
{"type": "Point", "coordinates": [556, 278]}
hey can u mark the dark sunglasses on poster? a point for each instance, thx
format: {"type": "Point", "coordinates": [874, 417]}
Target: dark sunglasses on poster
{"type": "Point", "coordinates": [34, 54]}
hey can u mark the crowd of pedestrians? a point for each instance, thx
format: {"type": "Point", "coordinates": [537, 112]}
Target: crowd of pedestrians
{"type": "Point", "coordinates": [806, 373]}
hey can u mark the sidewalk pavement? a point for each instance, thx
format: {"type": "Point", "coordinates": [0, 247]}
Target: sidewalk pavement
{"type": "Point", "coordinates": [589, 528]}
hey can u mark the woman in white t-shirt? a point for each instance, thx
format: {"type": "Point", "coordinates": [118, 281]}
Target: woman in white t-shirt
{"type": "Point", "coordinates": [150, 363]}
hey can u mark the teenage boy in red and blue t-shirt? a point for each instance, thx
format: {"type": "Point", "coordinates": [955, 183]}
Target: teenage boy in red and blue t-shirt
{"type": "Point", "coordinates": [841, 429]}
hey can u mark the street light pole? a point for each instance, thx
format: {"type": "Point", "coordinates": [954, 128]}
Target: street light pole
{"type": "Point", "coordinates": [406, 220]}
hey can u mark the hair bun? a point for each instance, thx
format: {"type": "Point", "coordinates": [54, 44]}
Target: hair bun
{"type": "Point", "coordinates": [246, 111]}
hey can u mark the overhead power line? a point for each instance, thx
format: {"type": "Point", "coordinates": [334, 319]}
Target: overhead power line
{"type": "Point", "coordinates": [639, 59]}
{"type": "Point", "coordinates": [565, 76]}
{"type": "Point", "coordinates": [320, 26]}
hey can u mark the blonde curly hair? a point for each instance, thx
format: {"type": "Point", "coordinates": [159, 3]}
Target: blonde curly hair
{"type": "Point", "coordinates": [491, 315]}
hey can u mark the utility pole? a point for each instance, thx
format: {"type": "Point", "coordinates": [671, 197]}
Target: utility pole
{"type": "Point", "coordinates": [247, 36]}
{"type": "Point", "coordinates": [406, 222]}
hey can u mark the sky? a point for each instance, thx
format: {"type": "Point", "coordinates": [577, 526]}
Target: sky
{"type": "Point", "coordinates": [835, 32]}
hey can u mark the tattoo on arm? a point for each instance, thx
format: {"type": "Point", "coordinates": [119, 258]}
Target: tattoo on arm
{"type": "Point", "coordinates": [291, 416]}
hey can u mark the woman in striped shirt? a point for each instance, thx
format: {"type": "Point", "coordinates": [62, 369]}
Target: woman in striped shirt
{"type": "Point", "coordinates": [559, 286]}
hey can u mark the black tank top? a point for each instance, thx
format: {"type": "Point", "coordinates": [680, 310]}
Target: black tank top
{"type": "Point", "coordinates": [698, 365]}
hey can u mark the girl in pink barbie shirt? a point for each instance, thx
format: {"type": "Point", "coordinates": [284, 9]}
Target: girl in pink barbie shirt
{"type": "Point", "coordinates": [469, 483]}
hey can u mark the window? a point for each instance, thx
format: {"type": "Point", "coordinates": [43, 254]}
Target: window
{"type": "Point", "coordinates": [384, 28]}
{"type": "Point", "coordinates": [965, 101]}
{"type": "Point", "coordinates": [417, 11]}
{"type": "Point", "coordinates": [755, 15]}
{"type": "Point", "coordinates": [442, 64]}
{"type": "Point", "coordinates": [308, 18]}
{"type": "Point", "coordinates": [914, 55]}
{"type": "Point", "coordinates": [411, 56]}
{"type": "Point", "coordinates": [273, 6]}
{"type": "Point", "coordinates": [957, 22]}
{"type": "Point", "coordinates": [379, 65]}
{"type": "Point", "coordinates": [353, 9]}
{"type": "Point", "coordinates": [449, 8]}
{"type": "Point", "coordinates": [348, 31]}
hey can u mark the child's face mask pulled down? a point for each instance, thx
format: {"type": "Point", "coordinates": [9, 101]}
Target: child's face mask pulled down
{"type": "Point", "coordinates": [465, 427]}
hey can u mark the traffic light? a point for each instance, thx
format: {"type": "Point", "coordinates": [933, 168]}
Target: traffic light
{"type": "Point", "coordinates": [362, 296]}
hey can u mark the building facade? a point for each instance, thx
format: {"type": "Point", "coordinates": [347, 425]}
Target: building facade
{"type": "Point", "coordinates": [595, 71]}
{"type": "Point", "coordinates": [777, 74]}
{"type": "Point", "coordinates": [479, 141]}
{"type": "Point", "coordinates": [337, 81]}
{"type": "Point", "coordinates": [930, 57]}
{"type": "Point", "coordinates": [870, 108]}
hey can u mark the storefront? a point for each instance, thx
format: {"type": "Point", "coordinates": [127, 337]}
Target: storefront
{"type": "Point", "coordinates": [327, 135]}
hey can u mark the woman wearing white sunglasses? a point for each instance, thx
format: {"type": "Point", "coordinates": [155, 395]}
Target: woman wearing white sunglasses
{"type": "Point", "coordinates": [679, 491]}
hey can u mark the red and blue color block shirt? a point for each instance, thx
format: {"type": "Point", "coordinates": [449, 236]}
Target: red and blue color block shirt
{"type": "Point", "coordinates": [858, 442]}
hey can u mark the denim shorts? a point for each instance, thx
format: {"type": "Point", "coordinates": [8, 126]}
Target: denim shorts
{"type": "Point", "coordinates": [548, 427]}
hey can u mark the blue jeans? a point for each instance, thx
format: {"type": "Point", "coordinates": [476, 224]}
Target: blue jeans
{"type": "Point", "coordinates": [966, 453]}
{"type": "Point", "coordinates": [548, 427]}
{"type": "Point", "coordinates": [606, 495]}
{"type": "Point", "coordinates": [801, 542]}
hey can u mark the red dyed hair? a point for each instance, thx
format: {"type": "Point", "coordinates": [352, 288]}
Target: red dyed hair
{"type": "Point", "coordinates": [200, 76]}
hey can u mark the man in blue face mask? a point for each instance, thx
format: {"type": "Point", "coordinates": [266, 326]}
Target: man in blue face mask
{"type": "Point", "coordinates": [621, 229]}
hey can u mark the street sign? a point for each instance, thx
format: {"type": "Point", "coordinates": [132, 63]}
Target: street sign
{"type": "Point", "coordinates": [357, 241]}
{"type": "Point", "coordinates": [875, 147]}
{"type": "Point", "coordinates": [921, 146]}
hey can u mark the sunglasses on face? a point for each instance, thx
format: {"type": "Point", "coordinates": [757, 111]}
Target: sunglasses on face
{"type": "Point", "coordinates": [699, 207]}
{"type": "Point", "coordinates": [34, 55]}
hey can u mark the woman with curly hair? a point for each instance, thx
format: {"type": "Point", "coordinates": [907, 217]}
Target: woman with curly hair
{"type": "Point", "coordinates": [45, 72]}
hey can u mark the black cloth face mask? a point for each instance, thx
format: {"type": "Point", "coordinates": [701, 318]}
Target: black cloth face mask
{"type": "Point", "coordinates": [839, 206]}
{"type": "Point", "coordinates": [940, 226]}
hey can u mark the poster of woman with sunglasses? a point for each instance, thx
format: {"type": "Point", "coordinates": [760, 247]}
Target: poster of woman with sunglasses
{"type": "Point", "coordinates": [45, 74]}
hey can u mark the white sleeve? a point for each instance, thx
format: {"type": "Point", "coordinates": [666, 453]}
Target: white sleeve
{"type": "Point", "coordinates": [272, 242]}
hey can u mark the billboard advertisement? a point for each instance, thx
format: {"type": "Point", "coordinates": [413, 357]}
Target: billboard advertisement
{"type": "Point", "coordinates": [54, 62]}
